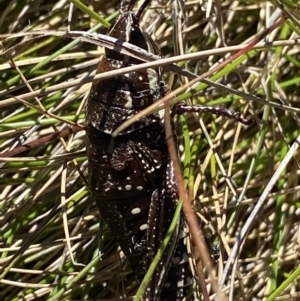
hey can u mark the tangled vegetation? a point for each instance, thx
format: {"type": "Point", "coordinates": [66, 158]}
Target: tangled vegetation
{"type": "Point", "coordinates": [241, 178]}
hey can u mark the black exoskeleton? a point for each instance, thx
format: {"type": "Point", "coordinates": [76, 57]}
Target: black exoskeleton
{"type": "Point", "coordinates": [131, 176]}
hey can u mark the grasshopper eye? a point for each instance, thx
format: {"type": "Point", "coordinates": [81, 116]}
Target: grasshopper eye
{"type": "Point", "coordinates": [137, 38]}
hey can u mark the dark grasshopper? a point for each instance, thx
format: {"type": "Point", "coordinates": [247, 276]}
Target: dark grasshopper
{"type": "Point", "coordinates": [131, 176]}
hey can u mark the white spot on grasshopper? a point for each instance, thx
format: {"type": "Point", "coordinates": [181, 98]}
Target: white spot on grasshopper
{"type": "Point", "coordinates": [143, 227]}
{"type": "Point", "coordinates": [135, 211]}
{"type": "Point", "coordinates": [128, 104]}
{"type": "Point", "coordinates": [128, 187]}
{"type": "Point", "coordinates": [152, 79]}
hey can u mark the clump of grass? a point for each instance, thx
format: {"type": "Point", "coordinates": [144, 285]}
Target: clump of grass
{"type": "Point", "coordinates": [49, 223]}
